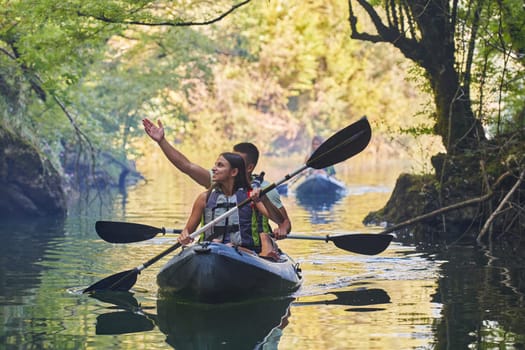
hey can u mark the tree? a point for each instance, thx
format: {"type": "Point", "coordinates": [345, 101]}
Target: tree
{"type": "Point", "coordinates": [471, 53]}
{"type": "Point", "coordinates": [426, 32]}
{"type": "Point", "coordinates": [73, 81]}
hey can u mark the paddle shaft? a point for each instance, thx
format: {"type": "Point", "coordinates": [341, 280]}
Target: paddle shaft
{"type": "Point", "coordinates": [170, 230]}
{"type": "Point", "coordinates": [309, 238]}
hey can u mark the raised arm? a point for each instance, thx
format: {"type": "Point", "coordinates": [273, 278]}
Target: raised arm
{"type": "Point", "coordinates": [181, 162]}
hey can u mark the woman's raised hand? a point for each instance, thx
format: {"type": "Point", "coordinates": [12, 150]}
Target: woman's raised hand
{"type": "Point", "coordinates": [156, 132]}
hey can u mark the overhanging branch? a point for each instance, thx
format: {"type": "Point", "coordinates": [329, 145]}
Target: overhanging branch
{"type": "Point", "coordinates": [500, 207]}
{"type": "Point", "coordinates": [103, 18]}
{"type": "Point", "coordinates": [410, 47]}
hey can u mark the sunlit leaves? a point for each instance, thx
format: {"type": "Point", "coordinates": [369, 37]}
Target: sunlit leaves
{"type": "Point", "coordinates": [270, 70]}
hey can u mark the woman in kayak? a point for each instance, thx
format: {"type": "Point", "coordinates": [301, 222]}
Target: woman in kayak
{"type": "Point", "coordinates": [230, 187]}
{"type": "Point", "coordinates": [202, 176]}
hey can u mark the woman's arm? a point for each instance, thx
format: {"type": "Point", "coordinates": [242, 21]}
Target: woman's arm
{"type": "Point", "coordinates": [194, 219]}
{"type": "Point", "coordinates": [181, 162]}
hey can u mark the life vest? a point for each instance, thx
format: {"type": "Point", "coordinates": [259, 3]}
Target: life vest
{"type": "Point", "coordinates": [241, 228]}
{"type": "Point", "coordinates": [259, 221]}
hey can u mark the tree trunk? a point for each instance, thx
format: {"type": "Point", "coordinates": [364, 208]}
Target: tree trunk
{"type": "Point", "coordinates": [424, 32]}
{"type": "Point", "coordinates": [455, 121]}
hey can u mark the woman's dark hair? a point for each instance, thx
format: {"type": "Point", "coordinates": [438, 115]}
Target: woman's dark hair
{"type": "Point", "coordinates": [236, 162]}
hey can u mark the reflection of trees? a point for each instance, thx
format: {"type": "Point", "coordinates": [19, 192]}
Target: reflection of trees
{"type": "Point", "coordinates": [483, 301]}
{"type": "Point", "coordinates": [23, 244]}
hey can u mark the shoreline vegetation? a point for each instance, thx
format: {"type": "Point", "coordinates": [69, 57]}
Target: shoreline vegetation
{"type": "Point", "coordinates": [478, 196]}
{"type": "Point", "coordinates": [470, 195]}
{"type": "Point", "coordinates": [76, 80]}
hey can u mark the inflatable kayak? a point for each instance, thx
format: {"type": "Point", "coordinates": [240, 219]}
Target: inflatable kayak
{"type": "Point", "coordinates": [215, 273]}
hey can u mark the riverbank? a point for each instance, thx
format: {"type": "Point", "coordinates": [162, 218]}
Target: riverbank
{"type": "Point", "coordinates": [477, 195]}
{"type": "Point", "coordinates": [29, 184]}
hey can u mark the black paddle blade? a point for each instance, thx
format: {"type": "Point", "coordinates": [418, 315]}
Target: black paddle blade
{"type": "Point", "coordinates": [121, 281]}
{"type": "Point", "coordinates": [342, 145]}
{"type": "Point", "coordinates": [362, 243]}
{"type": "Point", "coordinates": [125, 232]}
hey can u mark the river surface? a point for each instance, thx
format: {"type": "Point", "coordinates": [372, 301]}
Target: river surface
{"type": "Point", "coordinates": [404, 298]}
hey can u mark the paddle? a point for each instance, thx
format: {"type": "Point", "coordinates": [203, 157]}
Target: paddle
{"type": "Point", "coordinates": [127, 232]}
{"type": "Point", "coordinates": [339, 147]}
{"type": "Point", "coordinates": [360, 243]}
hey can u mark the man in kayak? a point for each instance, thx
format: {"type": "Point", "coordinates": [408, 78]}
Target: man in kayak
{"type": "Point", "coordinates": [203, 177]}
{"type": "Point", "coordinates": [230, 187]}
{"type": "Point", "coordinates": [316, 142]}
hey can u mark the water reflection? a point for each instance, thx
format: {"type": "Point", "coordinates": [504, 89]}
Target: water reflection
{"type": "Point", "coordinates": [24, 244]}
{"type": "Point", "coordinates": [363, 298]}
{"type": "Point", "coordinates": [123, 322]}
{"type": "Point", "coordinates": [320, 207]}
{"type": "Point", "coordinates": [404, 298]}
{"type": "Point", "coordinates": [128, 317]}
{"type": "Point", "coordinates": [318, 193]}
{"type": "Point", "coordinates": [246, 325]}
{"type": "Point", "coordinates": [483, 297]}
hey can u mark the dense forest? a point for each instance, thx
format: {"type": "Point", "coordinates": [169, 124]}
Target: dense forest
{"type": "Point", "coordinates": [76, 78]}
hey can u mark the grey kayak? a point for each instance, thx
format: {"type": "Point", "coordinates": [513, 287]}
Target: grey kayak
{"type": "Point", "coordinates": [215, 273]}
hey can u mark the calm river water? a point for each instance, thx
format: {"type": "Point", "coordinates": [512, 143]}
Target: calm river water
{"type": "Point", "coordinates": [403, 298]}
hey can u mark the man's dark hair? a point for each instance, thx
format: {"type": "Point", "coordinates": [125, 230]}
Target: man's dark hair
{"type": "Point", "coordinates": [248, 148]}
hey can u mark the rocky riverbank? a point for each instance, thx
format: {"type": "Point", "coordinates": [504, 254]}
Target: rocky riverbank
{"type": "Point", "coordinates": [29, 184]}
{"type": "Point", "coordinates": [476, 196]}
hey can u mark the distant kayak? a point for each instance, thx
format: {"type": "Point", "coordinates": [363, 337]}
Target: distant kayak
{"type": "Point", "coordinates": [320, 185]}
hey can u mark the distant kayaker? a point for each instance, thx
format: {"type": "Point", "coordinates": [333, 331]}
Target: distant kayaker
{"type": "Point", "coordinates": [231, 186]}
{"type": "Point", "coordinates": [203, 177]}
{"type": "Point", "coordinates": [316, 142]}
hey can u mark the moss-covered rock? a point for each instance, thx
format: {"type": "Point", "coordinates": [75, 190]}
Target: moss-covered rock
{"type": "Point", "coordinates": [413, 195]}
{"type": "Point", "coordinates": [29, 185]}
{"type": "Point", "coordinates": [481, 177]}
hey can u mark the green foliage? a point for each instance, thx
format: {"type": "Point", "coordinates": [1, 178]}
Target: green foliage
{"type": "Point", "coordinates": [288, 71]}
{"type": "Point", "coordinates": [69, 77]}
{"type": "Point", "coordinates": [498, 72]}
{"type": "Point", "coordinates": [80, 75]}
